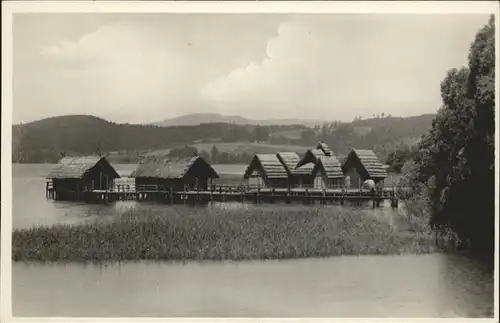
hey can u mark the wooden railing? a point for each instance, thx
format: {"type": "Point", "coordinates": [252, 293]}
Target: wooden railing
{"type": "Point", "coordinates": [241, 188]}
{"type": "Point", "coordinates": [124, 188]}
{"type": "Point", "coordinates": [246, 188]}
{"type": "Point", "coordinates": [152, 188]}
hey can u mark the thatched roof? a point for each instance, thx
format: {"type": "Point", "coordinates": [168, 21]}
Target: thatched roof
{"type": "Point", "coordinates": [369, 161]}
{"type": "Point", "coordinates": [77, 167]}
{"type": "Point", "coordinates": [310, 156]}
{"type": "Point", "coordinates": [269, 164]}
{"type": "Point", "coordinates": [317, 152]}
{"type": "Point", "coordinates": [289, 160]}
{"type": "Point", "coordinates": [171, 168]}
{"type": "Point", "coordinates": [324, 147]}
{"type": "Point", "coordinates": [330, 166]}
{"type": "Point", "coordinates": [305, 169]}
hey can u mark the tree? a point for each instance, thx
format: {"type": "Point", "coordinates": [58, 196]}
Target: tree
{"type": "Point", "coordinates": [186, 151]}
{"type": "Point", "coordinates": [397, 158]}
{"type": "Point", "coordinates": [477, 156]}
{"type": "Point", "coordinates": [261, 133]}
{"type": "Point", "coordinates": [308, 136]}
{"type": "Point", "coordinates": [264, 134]}
{"type": "Point", "coordinates": [458, 152]}
{"type": "Point", "coordinates": [214, 155]}
{"type": "Point", "coordinates": [205, 155]}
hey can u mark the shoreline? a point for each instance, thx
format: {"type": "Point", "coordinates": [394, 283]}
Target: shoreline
{"type": "Point", "coordinates": [228, 262]}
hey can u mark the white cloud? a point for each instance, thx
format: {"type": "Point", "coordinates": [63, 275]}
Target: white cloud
{"type": "Point", "coordinates": [322, 69]}
{"type": "Point", "coordinates": [300, 71]}
{"type": "Point", "coordinates": [290, 64]}
{"type": "Point", "coordinates": [119, 70]}
{"type": "Point", "coordinates": [109, 42]}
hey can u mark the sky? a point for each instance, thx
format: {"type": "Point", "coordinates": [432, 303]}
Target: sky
{"type": "Point", "coordinates": [140, 68]}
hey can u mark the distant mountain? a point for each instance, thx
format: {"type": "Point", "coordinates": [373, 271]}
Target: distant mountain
{"type": "Point", "coordinates": [199, 118]}
{"type": "Point", "coordinates": [45, 140]}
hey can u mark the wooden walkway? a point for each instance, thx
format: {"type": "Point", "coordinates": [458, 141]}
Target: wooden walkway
{"type": "Point", "coordinates": [226, 193]}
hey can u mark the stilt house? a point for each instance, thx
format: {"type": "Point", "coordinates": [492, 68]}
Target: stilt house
{"type": "Point", "coordinates": [311, 155]}
{"type": "Point", "coordinates": [155, 173]}
{"type": "Point", "coordinates": [303, 175]}
{"type": "Point", "coordinates": [324, 147]}
{"type": "Point", "coordinates": [82, 174]}
{"type": "Point", "coordinates": [266, 170]}
{"type": "Point", "coordinates": [327, 173]}
{"type": "Point", "coordinates": [307, 164]}
{"type": "Point", "coordinates": [362, 164]}
{"type": "Point", "coordinates": [289, 160]}
{"type": "Point", "coordinates": [296, 177]}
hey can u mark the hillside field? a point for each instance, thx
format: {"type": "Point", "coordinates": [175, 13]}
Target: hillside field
{"type": "Point", "coordinates": [249, 148]}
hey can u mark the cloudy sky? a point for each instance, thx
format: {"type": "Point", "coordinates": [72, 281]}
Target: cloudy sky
{"type": "Point", "coordinates": [148, 67]}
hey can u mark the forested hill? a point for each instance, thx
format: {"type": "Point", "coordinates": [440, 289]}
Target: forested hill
{"type": "Point", "coordinates": [45, 140]}
{"type": "Point", "coordinates": [197, 118]}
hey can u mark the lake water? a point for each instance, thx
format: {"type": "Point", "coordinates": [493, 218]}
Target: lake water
{"type": "Point", "coordinates": [31, 208]}
{"type": "Point", "coordinates": [368, 286]}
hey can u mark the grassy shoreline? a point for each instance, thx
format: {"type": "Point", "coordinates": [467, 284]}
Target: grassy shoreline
{"type": "Point", "coordinates": [218, 234]}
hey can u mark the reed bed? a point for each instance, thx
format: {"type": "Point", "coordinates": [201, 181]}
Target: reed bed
{"type": "Point", "coordinates": [221, 234]}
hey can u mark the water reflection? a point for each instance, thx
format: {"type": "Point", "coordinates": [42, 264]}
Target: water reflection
{"type": "Point", "coordinates": [470, 284]}
{"type": "Point", "coordinates": [367, 286]}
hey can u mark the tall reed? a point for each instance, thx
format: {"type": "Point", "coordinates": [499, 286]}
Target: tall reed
{"type": "Point", "coordinates": [217, 234]}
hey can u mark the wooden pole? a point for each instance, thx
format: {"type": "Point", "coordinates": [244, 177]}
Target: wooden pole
{"type": "Point", "coordinates": [171, 193]}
